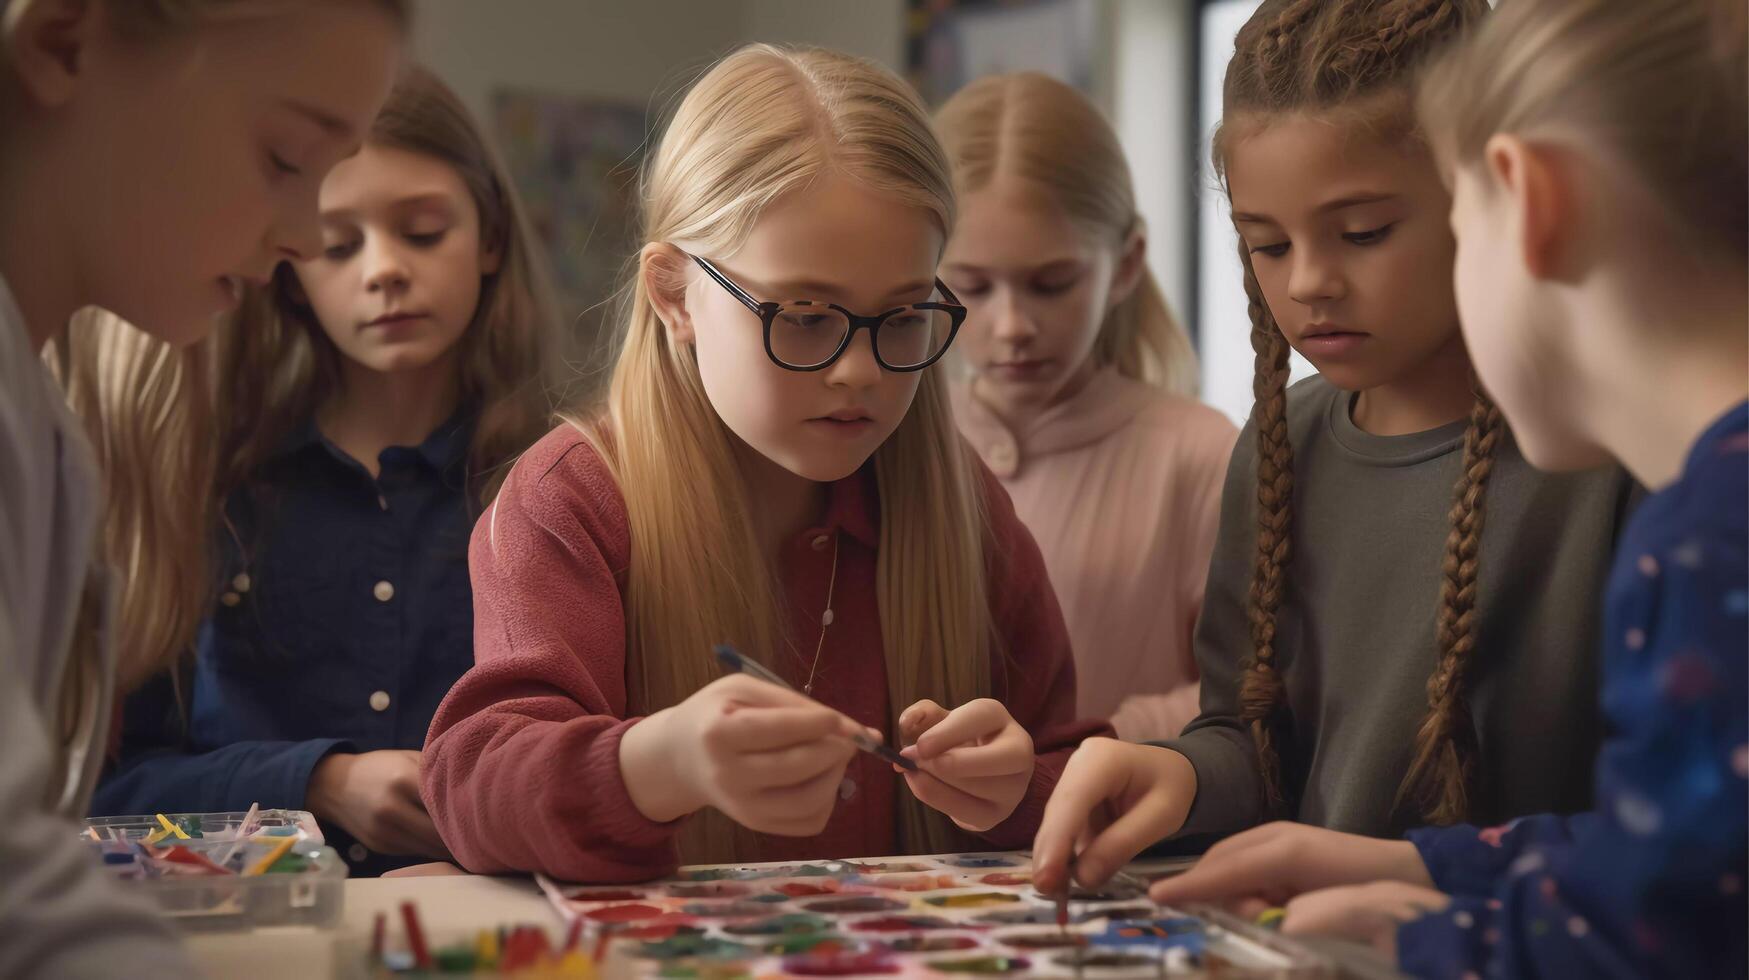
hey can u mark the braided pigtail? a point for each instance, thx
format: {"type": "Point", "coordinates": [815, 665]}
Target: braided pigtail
{"type": "Point", "coordinates": [1442, 775]}
{"type": "Point", "coordinates": [1262, 695]}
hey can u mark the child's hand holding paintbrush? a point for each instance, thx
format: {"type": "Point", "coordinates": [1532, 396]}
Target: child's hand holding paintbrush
{"type": "Point", "coordinates": [767, 756]}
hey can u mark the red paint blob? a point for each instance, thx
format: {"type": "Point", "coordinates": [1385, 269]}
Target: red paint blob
{"type": "Point", "coordinates": [902, 923]}
{"type": "Point", "coordinates": [625, 913]}
{"type": "Point", "coordinates": [799, 889]}
{"type": "Point", "coordinates": [1007, 878]}
{"type": "Point", "coordinates": [666, 927]}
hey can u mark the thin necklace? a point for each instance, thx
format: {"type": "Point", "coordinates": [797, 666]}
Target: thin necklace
{"type": "Point", "coordinates": [825, 619]}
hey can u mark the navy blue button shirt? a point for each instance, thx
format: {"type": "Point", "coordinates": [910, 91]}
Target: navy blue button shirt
{"type": "Point", "coordinates": [345, 616]}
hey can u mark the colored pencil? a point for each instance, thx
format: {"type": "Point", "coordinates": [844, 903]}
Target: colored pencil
{"type": "Point", "coordinates": [415, 936]}
{"type": "Point", "coordinates": [273, 855]}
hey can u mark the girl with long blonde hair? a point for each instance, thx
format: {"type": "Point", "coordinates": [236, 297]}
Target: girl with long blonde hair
{"type": "Point", "coordinates": [1082, 389]}
{"type": "Point", "coordinates": [775, 467]}
{"type": "Point", "coordinates": [139, 152]}
{"type": "Point", "coordinates": [369, 401]}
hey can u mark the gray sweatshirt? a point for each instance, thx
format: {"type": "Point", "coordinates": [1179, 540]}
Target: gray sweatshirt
{"type": "Point", "coordinates": [1355, 631]}
{"type": "Point", "coordinates": [60, 915]}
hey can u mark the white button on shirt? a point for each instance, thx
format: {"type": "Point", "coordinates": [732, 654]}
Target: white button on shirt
{"type": "Point", "coordinates": [357, 853]}
{"type": "Point", "coordinates": [379, 701]}
{"type": "Point", "coordinates": [384, 591]}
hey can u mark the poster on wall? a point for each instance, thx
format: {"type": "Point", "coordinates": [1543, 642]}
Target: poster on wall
{"type": "Point", "coordinates": [575, 162]}
{"type": "Point", "coordinates": [951, 42]}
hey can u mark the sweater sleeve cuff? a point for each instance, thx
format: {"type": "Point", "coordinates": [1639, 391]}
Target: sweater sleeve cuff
{"type": "Point", "coordinates": [615, 820]}
{"type": "Point", "coordinates": [1451, 943]}
{"type": "Point", "coordinates": [281, 779]}
{"type": "Point", "coordinates": [1466, 860]}
{"type": "Point", "coordinates": [1228, 795]}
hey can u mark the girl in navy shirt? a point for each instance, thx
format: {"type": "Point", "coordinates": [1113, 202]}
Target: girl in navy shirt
{"type": "Point", "coordinates": [369, 400]}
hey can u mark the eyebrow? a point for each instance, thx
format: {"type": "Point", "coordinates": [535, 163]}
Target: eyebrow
{"type": "Point", "coordinates": [409, 203]}
{"type": "Point", "coordinates": [1053, 265]}
{"type": "Point", "coordinates": [1351, 201]}
{"type": "Point", "coordinates": [806, 288]}
{"type": "Point", "coordinates": [337, 128]}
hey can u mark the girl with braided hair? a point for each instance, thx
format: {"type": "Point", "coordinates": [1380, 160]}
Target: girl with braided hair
{"type": "Point", "coordinates": [1597, 155]}
{"type": "Point", "coordinates": [1372, 661]}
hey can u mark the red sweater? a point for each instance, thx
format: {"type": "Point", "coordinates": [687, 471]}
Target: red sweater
{"type": "Point", "coordinates": [522, 763]}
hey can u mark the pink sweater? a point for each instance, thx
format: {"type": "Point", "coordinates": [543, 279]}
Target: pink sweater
{"type": "Point", "coordinates": [1121, 485]}
{"type": "Point", "coordinates": [522, 762]}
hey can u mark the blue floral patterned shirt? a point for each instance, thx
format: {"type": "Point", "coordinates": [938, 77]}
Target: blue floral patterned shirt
{"type": "Point", "coordinates": [1651, 883]}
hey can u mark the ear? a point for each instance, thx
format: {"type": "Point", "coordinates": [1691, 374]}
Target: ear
{"type": "Point", "coordinates": [491, 259]}
{"type": "Point", "coordinates": [664, 269]}
{"type": "Point", "coordinates": [45, 44]}
{"type": "Point", "coordinates": [1132, 265]}
{"type": "Point", "coordinates": [1535, 180]}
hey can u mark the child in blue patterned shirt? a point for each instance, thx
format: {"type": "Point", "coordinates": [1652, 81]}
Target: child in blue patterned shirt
{"type": "Point", "coordinates": [1597, 155]}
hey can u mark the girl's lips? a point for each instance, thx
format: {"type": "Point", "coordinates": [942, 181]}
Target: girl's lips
{"type": "Point", "coordinates": [845, 426]}
{"type": "Point", "coordinates": [1332, 344]}
{"type": "Point", "coordinates": [399, 326]}
{"type": "Point", "coordinates": [389, 318]}
{"type": "Point", "coordinates": [1019, 370]}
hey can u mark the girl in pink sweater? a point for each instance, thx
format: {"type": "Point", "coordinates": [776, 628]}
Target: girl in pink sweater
{"type": "Point", "coordinates": [769, 473]}
{"type": "Point", "coordinates": [1082, 394]}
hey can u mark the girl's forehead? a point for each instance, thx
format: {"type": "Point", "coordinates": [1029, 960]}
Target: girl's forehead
{"type": "Point", "coordinates": [837, 231]}
{"type": "Point", "coordinates": [1285, 165]}
{"type": "Point", "coordinates": [382, 176]}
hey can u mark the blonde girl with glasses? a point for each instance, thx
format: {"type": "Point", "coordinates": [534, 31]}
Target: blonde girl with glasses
{"type": "Point", "coordinates": [776, 467]}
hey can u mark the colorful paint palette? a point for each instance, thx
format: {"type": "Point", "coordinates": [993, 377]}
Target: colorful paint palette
{"type": "Point", "coordinates": [945, 916]}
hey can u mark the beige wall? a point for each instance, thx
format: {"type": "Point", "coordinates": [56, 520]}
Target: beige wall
{"type": "Point", "coordinates": [630, 49]}
{"type": "Point", "coordinates": [870, 28]}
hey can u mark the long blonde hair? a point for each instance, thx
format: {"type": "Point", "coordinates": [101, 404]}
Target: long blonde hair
{"type": "Point", "coordinates": [1036, 128]}
{"type": "Point", "coordinates": [762, 123]}
{"type": "Point", "coordinates": [149, 411]}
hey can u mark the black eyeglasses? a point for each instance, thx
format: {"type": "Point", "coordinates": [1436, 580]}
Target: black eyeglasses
{"type": "Point", "coordinates": [808, 336]}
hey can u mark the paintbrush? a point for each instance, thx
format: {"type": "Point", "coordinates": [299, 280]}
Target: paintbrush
{"type": "Point", "coordinates": [732, 660]}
